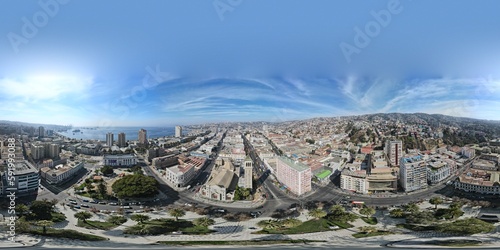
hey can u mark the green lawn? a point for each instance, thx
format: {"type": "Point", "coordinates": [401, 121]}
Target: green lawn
{"type": "Point", "coordinates": [240, 243]}
{"type": "Point", "coordinates": [417, 227]}
{"type": "Point", "coordinates": [310, 226]}
{"type": "Point", "coordinates": [364, 235]}
{"type": "Point", "coordinates": [323, 174]}
{"type": "Point", "coordinates": [370, 220]}
{"type": "Point", "coordinates": [92, 224]}
{"type": "Point", "coordinates": [164, 226]}
{"type": "Point", "coordinates": [67, 233]}
{"type": "Point", "coordinates": [343, 225]}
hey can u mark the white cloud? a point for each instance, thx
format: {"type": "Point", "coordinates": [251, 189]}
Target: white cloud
{"type": "Point", "coordinates": [44, 87]}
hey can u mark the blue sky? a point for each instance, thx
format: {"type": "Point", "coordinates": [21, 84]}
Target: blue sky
{"type": "Point", "coordinates": [156, 63]}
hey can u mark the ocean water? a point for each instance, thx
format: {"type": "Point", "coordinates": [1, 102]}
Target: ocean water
{"type": "Point", "coordinates": [131, 133]}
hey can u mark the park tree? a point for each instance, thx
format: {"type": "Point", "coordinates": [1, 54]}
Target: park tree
{"type": "Point", "coordinates": [411, 208]}
{"type": "Point", "coordinates": [397, 213]}
{"type": "Point", "coordinates": [337, 210]}
{"type": "Point", "coordinates": [41, 210]}
{"type": "Point", "coordinates": [21, 209]}
{"type": "Point", "coordinates": [203, 222]}
{"type": "Point", "coordinates": [177, 212]}
{"type": "Point", "coordinates": [140, 218]}
{"type": "Point", "coordinates": [317, 213]}
{"type": "Point", "coordinates": [44, 224]}
{"type": "Point", "coordinates": [435, 201]}
{"type": "Point", "coordinates": [367, 211]}
{"type": "Point", "coordinates": [101, 188]}
{"type": "Point", "coordinates": [269, 224]}
{"type": "Point", "coordinates": [116, 220]}
{"type": "Point", "coordinates": [291, 222]}
{"type": "Point", "coordinates": [84, 216]}
{"type": "Point", "coordinates": [107, 170]}
{"type": "Point", "coordinates": [135, 186]}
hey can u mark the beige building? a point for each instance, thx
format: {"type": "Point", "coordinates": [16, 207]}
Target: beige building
{"type": "Point", "coordinates": [61, 173]}
{"type": "Point", "coordinates": [222, 181]}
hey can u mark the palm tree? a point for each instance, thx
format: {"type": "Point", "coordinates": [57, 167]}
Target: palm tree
{"type": "Point", "coordinates": [21, 209]}
{"type": "Point", "coordinates": [291, 222]}
{"type": "Point", "coordinates": [337, 209]}
{"type": "Point", "coordinates": [140, 218]}
{"type": "Point", "coordinates": [84, 216]}
{"type": "Point", "coordinates": [117, 220]}
{"type": "Point", "coordinates": [203, 222]}
{"type": "Point", "coordinates": [436, 201]}
{"type": "Point", "coordinates": [455, 212]}
{"type": "Point", "coordinates": [317, 213]}
{"type": "Point", "coordinates": [269, 224]}
{"type": "Point", "coordinates": [44, 224]}
{"type": "Point", "coordinates": [367, 211]}
{"type": "Point", "coordinates": [176, 212]}
{"type": "Point", "coordinates": [396, 213]}
{"type": "Point", "coordinates": [411, 208]}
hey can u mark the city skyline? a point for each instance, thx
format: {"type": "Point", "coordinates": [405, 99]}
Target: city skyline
{"type": "Point", "coordinates": [154, 70]}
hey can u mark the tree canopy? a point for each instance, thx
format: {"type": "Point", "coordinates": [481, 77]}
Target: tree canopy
{"type": "Point", "coordinates": [135, 186]}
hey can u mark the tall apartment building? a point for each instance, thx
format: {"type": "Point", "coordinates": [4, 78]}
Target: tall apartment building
{"type": "Point", "coordinates": [248, 172]}
{"type": "Point", "coordinates": [394, 151]}
{"type": "Point", "coordinates": [109, 139]}
{"type": "Point", "coordinates": [354, 180]}
{"type": "Point", "coordinates": [53, 151]}
{"type": "Point", "coordinates": [122, 142]}
{"type": "Point", "coordinates": [178, 131]}
{"type": "Point", "coordinates": [41, 131]}
{"type": "Point", "coordinates": [294, 175]}
{"type": "Point", "coordinates": [37, 151]}
{"type": "Point", "coordinates": [143, 137]}
{"type": "Point", "coordinates": [413, 173]}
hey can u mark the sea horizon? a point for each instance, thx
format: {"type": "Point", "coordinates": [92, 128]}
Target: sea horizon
{"type": "Point", "coordinates": [131, 132]}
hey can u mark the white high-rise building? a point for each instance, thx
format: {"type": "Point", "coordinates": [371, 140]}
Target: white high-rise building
{"type": "Point", "coordinates": [109, 139]}
{"type": "Point", "coordinates": [413, 173]}
{"type": "Point", "coordinates": [178, 131]}
{"type": "Point", "coordinates": [394, 151]}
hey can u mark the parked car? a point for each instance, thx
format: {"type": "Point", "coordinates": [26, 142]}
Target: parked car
{"type": "Point", "coordinates": [77, 207]}
{"type": "Point", "coordinates": [126, 207]}
{"type": "Point", "coordinates": [85, 200]}
{"type": "Point", "coordinates": [85, 205]}
{"type": "Point", "coordinates": [102, 202]}
{"type": "Point", "coordinates": [113, 203]}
